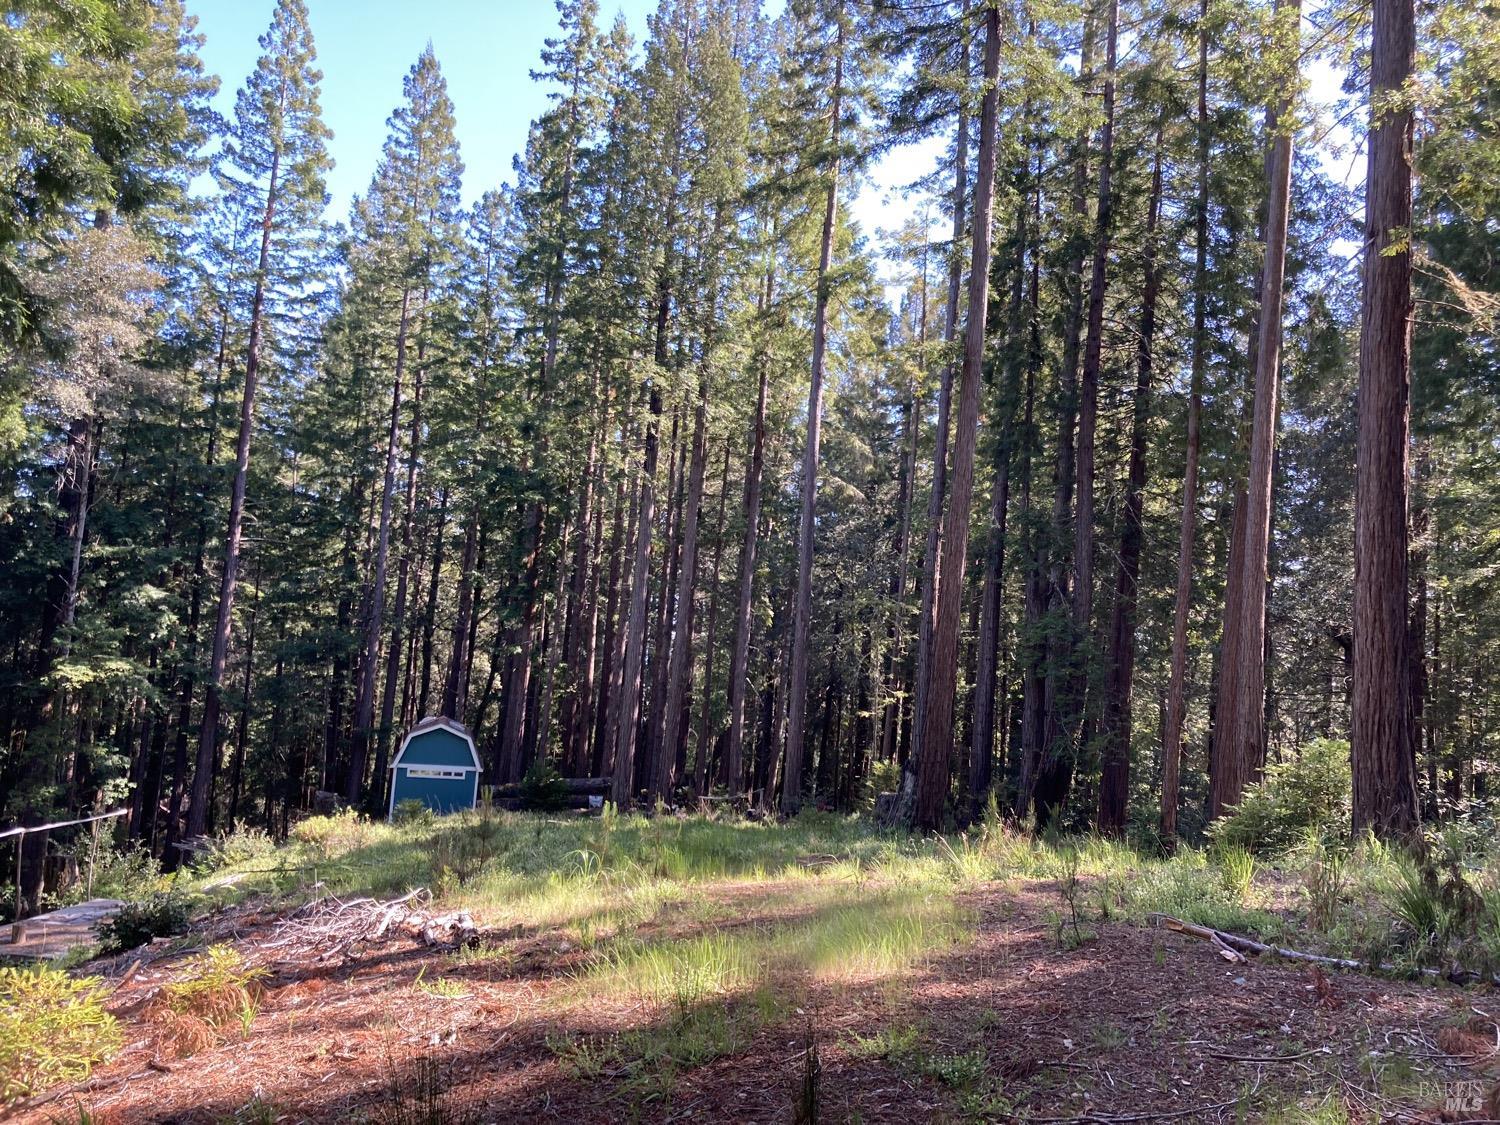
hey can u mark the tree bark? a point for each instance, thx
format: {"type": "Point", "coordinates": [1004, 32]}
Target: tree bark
{"type": "Point", "coordinates": [1088, 406]}
{"type": "Point", "coordinates": [701, 771]}
{"type": "Point", "coordinates": [987, 662]}
{"type": "Point", "coordinates": [208, 731]}
{"type": "Point", "coordinates": [927, 599]}
{"type": "Point", "coordinates": [635, 630]}
{"type": "Point", "coordinates": [403, 578]}
{"type": "Point", "coordinates": [364, 702]}
{"type": "Point", "coordinates": [739, 650]}
{"type": "Point", "coordinates": [935, 750]}
{"type": "Point", "coordinates": [1240, 720]}
{"type": "Point", "coordinates": [1114, 784]}
{"type": "Point", "coordinates": [1381, 734]}
{"type": "Point", "coordinates": [1177, 691]}
{"type": "Point", "coordinates": [1047, 764]}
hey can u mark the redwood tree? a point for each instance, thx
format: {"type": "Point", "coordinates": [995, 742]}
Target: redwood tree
{"type": "Point", "coordinates": [1382, 742]}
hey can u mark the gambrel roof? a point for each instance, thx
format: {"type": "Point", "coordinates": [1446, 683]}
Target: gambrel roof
{"type": "Point", "coordinates": [434, 723]}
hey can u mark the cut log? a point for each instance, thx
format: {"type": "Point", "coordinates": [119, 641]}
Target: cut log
{"type": "Point", "coordinates": [590, 786]}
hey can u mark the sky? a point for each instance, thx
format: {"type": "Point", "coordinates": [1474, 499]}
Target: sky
{"type": "Point", "coordinates": [487, 49]}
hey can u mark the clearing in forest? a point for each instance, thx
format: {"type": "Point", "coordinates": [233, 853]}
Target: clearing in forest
{"type": "Point", "coordinates": [698, 969]}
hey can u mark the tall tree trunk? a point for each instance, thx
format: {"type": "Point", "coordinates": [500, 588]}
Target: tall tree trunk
{"type": "Point", "coordinates": [247, 700]}
{"type": "Point", "coordinates": [634, 637]}
{"type": "Point", "coordinates": [208, 731]}
{"type": "Point", "coordinates": [700, 766]}
{"type": "Point", "coordinates": [429, 615]}
{"type": "Point", "coordinates": [1047, 767]}
{"type": "Point", "coordinates": [935, 750]}
{"type": "Point", "coordinates": [577, 650]}
{"type": "Point", "coordinates": [1177, 691]}
{"type": "Point", "coordinates": [791, 794]}
{"type": "Point", "coordinates": [680, 657]}
{"type": "Point", "coordinates": [739, 648]}
{"type": "Point", "coordinates": [654, 703]}
{"type": "Point", "coordinates": [1381, 733]}
{"type": "Point", "coordinates": [403, 578]}
{"type": "Point", "coordinates": [905, 490]}
{"type": "Point", "coordinates": [1239, 731]}
{"type": "Point", "coordinates": [927, 598]}
{"type": "Point", "coordinates": [364, 700]}
{"type": "Point", "coordinates": [456, 686]}
{"type": "Point", "coordinates": [601, 753]}
{"type": "Point", "coordinates": [1114, 783]}
{"type": "Point", "coordinates": [987, 662]}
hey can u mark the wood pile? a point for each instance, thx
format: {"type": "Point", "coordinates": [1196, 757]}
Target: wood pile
{"type": "Point", "coordinates": [330, 928]}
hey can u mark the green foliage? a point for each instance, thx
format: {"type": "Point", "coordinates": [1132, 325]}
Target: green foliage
{"type": "Point", "coordinates": [53, 1028]}
{"type": "Point", "coordinates": [413, 812]}
{"type": "Point", "coordinates": [337, 834]}
{"type": "Point", "coordinates": [218, 986]}
{"type": "Point", "coordinates": [543, 788]}
{"type": "Point", "coordinates": [1237, 866]}
{"type": "Point", "coordinates": [128, 872]}
{"type": "Point", "coordinates": [243, 844]}
{"type": "Point", "coordinates": [1308, 791]}
{"type": "Point", "coordinates": [164, 914]}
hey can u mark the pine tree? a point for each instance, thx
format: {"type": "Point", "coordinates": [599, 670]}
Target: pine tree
{"type": "Point", "coordinates": [404, 232]}
{"type": "Point", "coordinates": [937, 732]}
{"type": "Point", "coordinates": [275, 160]}
{"type": "Point", "coordinates": [1239, 731]}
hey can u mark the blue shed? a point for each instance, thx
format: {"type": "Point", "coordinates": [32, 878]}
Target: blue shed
{"type": "Point", "coordinates": [437, 765]}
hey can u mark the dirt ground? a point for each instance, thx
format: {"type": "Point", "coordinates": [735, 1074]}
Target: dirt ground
{"type": "Point", "coordinates": [1134, 1024]}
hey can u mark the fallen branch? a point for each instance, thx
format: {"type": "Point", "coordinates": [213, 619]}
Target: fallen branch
{"type": "Point", "coordinates": [1235, 943]}
{"type": "Point", "coordinates": [1270, 1058]}
{"type": "Point", "coordinates": [1121, 1118]}
{"type": "Point", "coordinates": [328, 927]}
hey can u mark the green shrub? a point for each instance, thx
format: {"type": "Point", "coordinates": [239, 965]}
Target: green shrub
{"type": "Point", "coordinates": [337, 834]}
{"type": "Point", "coordinates": [52, 1029]}
{"type": "Point", "coordinates": [412, 813]}
{"type": "Point", "coordinates": [1310, 791]}
{"type": "Point", "coordinates": [243, 844]}
{"type": "Point", "coordinates": [543, 789]}
{"type": "Point", "coordinates": [129, 872]}
{"type": "Point", "coordinates": [136, 923]}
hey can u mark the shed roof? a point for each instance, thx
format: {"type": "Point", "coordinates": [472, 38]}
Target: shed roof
{"type": "Point", "coordinates": [436, 723]}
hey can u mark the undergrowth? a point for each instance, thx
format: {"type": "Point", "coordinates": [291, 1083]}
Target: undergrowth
{"type": "Point", "coordinates": [53, 1028]}
{"type": "Point", "coordinates": [216, 992]}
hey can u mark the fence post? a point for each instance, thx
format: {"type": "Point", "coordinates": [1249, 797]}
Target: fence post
{"type": "Point", "coordinates": [15, 929]}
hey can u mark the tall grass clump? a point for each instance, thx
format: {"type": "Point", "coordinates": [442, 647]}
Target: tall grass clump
{"type": "Point", "coordinates": [53, 1028]}
{"type": "Point", "coordinates": [1447, 912]}
{"type": "Point", "coordinates": [1325, 879]}
{"type": "Point", "coordinates": [1237, 869]}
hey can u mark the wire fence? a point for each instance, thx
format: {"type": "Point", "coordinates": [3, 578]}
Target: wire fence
{"type": "Point", "coordinates": [22, 831]}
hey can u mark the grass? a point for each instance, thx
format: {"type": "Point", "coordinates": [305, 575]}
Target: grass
{"type": "Point", "coordinates": [708, 936]}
